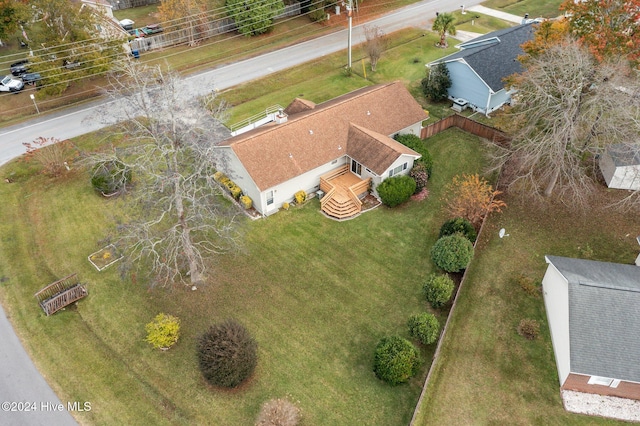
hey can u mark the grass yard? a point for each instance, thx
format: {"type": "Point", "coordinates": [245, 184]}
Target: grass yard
{"type": "Point", "coordinates": [316, 294]}
{"type": "Point", "coordinates": [535, 8]}
{"type": "Point", "coordinates": [482, 351]}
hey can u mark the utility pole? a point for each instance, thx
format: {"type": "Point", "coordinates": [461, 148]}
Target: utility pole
{"type": "Point", "coordinates": [349, 14]}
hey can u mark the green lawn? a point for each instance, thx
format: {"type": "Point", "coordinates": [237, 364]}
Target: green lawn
{"type": "Point", "coordinates": [487, 373]}
{"type": "Point", "coordinates": [316, 294]}
{"type": "Point", "coordinates": [535, 8]}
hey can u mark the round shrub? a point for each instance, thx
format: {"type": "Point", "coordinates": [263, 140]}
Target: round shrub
{"type": "Point", "coordinates": [163, 332]}
{"type": "Point", "coordinates": [459, 225]}
{"type": "Point", "coordinates": [424, 327]}
{"type": "Point", "coordinates": [227, 354]}
{"type": "Point", "coordinates": [396, 360]}
{"type": "Point", "coordinates": [396, 190]}
{"type": "Point", "coordinates": [109, 177]}
{"type": "Point", "coordinates": [278, 412]}
{"type": "Point", "coordinates": [452, 253]}
{"type": "Point", "coordinates": [438, 289]}
{"type": "Point", "coordinates": [419, 174]}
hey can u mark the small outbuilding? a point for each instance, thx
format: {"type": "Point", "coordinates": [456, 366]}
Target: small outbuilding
{"type": "Point", "coordinates": [620, 166]}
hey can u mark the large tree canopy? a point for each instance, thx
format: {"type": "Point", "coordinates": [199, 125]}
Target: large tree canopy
{"type": "Point", "coordinates": [609, 27]}
{"type": "Point", "coordinates": [13, 13]}
{"type": "Point", "coordinates": [176, 217]}
{"type": "Point", "coordinates": [253, 17]}
{"type": "Point", "coordinates": [436, 84]}
{"type": "Point", "coordinates": [567, 109]}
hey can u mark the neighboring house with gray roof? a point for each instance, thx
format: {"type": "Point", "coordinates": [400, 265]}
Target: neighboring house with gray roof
{"type": "Point", "coordinates": [620, 166]}
{"type": "Point", "coordinates": [478, 69]}
{"type": "Point", "coordinates": [593, 309]}
{"type": "Point", "coordinates": [352, 133]}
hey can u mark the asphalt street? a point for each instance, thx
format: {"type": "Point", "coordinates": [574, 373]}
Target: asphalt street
{"type": "Point", "coordinates": [84, 119]}
{"type": "Point", "coordinates": [21, 386]}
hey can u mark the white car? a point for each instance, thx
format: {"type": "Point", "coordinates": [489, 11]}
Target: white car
{"type": "Point", "coordinates": [9, 84]}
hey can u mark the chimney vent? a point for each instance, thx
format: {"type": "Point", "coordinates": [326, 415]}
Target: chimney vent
{"type": "Point", "coordinates": [281, 116]}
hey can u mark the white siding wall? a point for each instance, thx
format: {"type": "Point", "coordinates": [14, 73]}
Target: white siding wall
{"type": "Point", "coordinates": [230, 165]}
{"type": "Point", "coordinates": [309, 182]}
{"type": "Point", "coordinates": [556, 301]}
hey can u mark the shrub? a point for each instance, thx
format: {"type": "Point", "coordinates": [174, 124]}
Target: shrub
{"type": "Point", "coordinates": [227, 354]}
{"type": "Point", "coordinates": [471, 197]}
{"type": "Point", "coordinates": [438, 289]}
{"type": "Point", "coordinates": [419, 174]}
{"type": "Point", "coordinates": [528, 285]}
{"type": "Point", "coordinates": [300, 197]}
{"type": "Point", "coordinates": [396, 360]}
{"type": "Point", "coordinates": [219, 176]}
{"type": "Point", "coordinates": [452, 253]}
{"type": "Point", "coordinates": [234, 189]}
{"type": "Point", "coordinates": [50, 153]}
{"type": "Point", "coordinates": [529, 328]}
{"type": "Point", "coordinates": [163, 331]}
{"type": "Point", "coordinates": [111, 176]}
{"type": "Point", "coordinates": [278, 412]}
{"type": "Point", "coordinates": [246, 202]}
{"type": "Point", "coordinates": [415, 143]}
{"type": "Point", "coordinates": [424, 327]}
{"type": "Point", "coordinates": [286, 205]}
{"type": "Point", "coordinates": [458, 225]}
{"type": "Point", "coordinates": [396, 190]}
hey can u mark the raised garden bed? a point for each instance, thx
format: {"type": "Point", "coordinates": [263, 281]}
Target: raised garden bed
{"type": "Point", "coordinates": [104, 257]}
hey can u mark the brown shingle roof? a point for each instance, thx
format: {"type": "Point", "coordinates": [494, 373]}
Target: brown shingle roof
{"type": "Point", "coordinates": [299, 105]}
{"type": "Point", "coordinates": [376, 151]}
{"type": "Point", "coordinates": [275, 154]}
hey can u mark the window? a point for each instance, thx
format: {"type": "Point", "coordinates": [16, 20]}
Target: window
{"type": "Point", "coordinates": [398, 169]}
{"type": "Point", "coordinates": [356, 167]}
{"type": "Point", "coordinates": [269, 197]}
{"type": "Point", "coordinates": [596, 380]}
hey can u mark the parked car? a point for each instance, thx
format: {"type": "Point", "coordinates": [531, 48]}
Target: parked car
{"type": "Point", "coordinates": [127, 24]}
{"type": "Point", "coordinates": [9, 84]}
{"type": "Point", "coordinates": [70, 65]}
{"type": "Point", "coordinates": [31, 78]}
{"type": "Point", "coordinates": [137, 33]}
{"type": "Point", "coordinates": [20, 67]}
{"type": "Point", "coordinates": [152, 29]}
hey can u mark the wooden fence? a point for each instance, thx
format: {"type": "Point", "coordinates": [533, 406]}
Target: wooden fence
{"type": "Point", "coordinates": [468, 125]}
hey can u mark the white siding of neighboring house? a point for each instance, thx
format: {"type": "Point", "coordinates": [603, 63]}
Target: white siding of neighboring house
{"type": "Point", "coordinates": [466, 84]}
{"type": "Point", "coordinates": [621, 177]}
{"type": "Point", "coordinates": [309, 182]}
{"type": "Point", "coordinates": [556, 301]}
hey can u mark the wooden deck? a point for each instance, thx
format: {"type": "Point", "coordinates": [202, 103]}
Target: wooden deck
{"type": "Point", "coordinates": [342, 189]}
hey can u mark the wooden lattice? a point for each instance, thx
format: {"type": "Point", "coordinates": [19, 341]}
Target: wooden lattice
{"type": "Point", "coordinates": [61, 293]}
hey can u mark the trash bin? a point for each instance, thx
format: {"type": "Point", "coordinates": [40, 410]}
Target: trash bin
{"type": "Point", "coordinates": [136, 54]}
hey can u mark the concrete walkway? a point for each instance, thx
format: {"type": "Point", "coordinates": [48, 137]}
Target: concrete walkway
{"type": "Point", "coordinates": [496, 13]}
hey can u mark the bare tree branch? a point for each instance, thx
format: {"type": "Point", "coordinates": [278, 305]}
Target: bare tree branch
{"type": "Point", "coordinates": [177, 217]}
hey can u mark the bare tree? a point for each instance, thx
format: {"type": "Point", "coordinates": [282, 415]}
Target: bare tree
{"type": "Point", "coordinates": [176, 215]}
{"type": "Point", "coordinates": [375, 44]}
{"type": "Point", "coordinates": [567, 109]}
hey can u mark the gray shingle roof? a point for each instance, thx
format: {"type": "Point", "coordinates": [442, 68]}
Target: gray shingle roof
{"type": "Point", "coordinates": [604, 317]}
{"type": "Point", "coordinates": [624, 154]}
{"type": "Point", "coordinates": [493, 56]}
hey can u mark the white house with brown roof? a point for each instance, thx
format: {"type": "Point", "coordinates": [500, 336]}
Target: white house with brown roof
{"type": "Point", "coordinates": [350, 136]}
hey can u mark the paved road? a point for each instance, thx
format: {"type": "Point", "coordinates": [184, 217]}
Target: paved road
{"type": "Point", "coordinates": [78, 120]}
{"type": "Point", "coordinates": [21, 383]}
{"type": "Point", "coordinates": [19, 379]}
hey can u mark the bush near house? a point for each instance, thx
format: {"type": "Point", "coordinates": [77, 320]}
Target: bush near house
{"type": "Point", "coordinates": [246, 202]}
{"type": "Point", "coordinates": [424, 327]}
{"type": "Point", "coordinates": [420, 175]}
{"type": "Point", "coordinates": [458, 225]}
{"type": "Point", "coordinates": [396, 190]}
{"type": "Point", "coordinates": [300, 197]}
{"type": "Point", "coordinates": [396, 360]}
{"type": "Point", "coordinates": [452, 253]}
{"type": "Point", "coordinates": [417, 144]}
{"type": "Point", "coordinates": [438, 289]}
{"type": "Point", "coordinates": [227, 354]}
